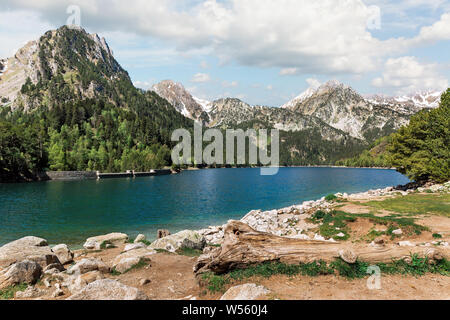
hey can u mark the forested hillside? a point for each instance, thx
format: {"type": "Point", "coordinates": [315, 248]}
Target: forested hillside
{"type": "Point", "coordinates": [83, 113]}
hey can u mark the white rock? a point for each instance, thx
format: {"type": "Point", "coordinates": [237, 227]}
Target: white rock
{"type": "Point", "coordinates": [133, 246]}
{"type": "Point", "coordinates": [113, 238]}
{"type": "Point", "coordinates": [30, 293]}
{"type": "Point", "coordinates": [21, 272]}
{"type": "Point", "coordinates": [184, 239]}
{"type": "Point", "coordinates": [249, 291]}
{"type": "Point", "coordinates": [406, 244]}
{"type": "Point", "coordinates": [87, 265]}
{"type": "Point", "coordinates": [27, 248]}
{"type": "Point", "coordinates": [126, 260]}
{"type": "Point", "coordinates": [398, 232]}
{"type": "Point", "coordinates": [139, 238]}
{"type": "Point", "coordinates": [126, 264]}
{"type": "Point", "coordinates": [63, 253]}
{"type": "Point", "coordinates": [108, 289]}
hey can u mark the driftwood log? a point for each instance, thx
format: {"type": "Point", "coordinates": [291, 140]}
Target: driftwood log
{"type": "Point", "coordinates": [244, 246]}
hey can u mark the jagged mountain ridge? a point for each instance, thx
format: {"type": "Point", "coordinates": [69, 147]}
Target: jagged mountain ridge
{"type": "Point", "coordinates": [181, 100]}
{"type": "Point", "coordinates": [333, 105]}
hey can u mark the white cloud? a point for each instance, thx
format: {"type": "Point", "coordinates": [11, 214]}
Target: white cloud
{"type": "Point", "coordinates": [201, 78]}
{"type": "Point", "coordinates": [269, 87]}
{"type": "Point", "coordinates": [407, 74]}
{"type": "Point", "coordinates": [232, 84]}
{"type": "Point", "coordinates": [297, 36]}
{"type": "Point", "coordinates": [144, 84]}
{"type": "Point", "coordinates": [14, 35]}
{"type": "Point", "coordinates": [288, 71]}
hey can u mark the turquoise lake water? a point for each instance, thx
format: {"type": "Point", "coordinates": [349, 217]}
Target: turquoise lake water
{"type": "Point", "coordinates": [69, 212]}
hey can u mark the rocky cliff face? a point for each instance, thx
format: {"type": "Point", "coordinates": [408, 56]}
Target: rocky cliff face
{"type": "Point", "coordinates": [182, 100]}
{"type": "Point", "coordinates": [332, 107]}
{"type": "Point", "coordinates": [83, 62]}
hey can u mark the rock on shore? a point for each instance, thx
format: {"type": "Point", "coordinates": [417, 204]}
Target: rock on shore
{"type": "Point", "coordinates": [108, 289]}
{"type": "Point", "coordinates": [27, 248]}
{"type": "Point", "coordinates": [111, 238]}
{"type": "Point", "coordinates": [183, 239]}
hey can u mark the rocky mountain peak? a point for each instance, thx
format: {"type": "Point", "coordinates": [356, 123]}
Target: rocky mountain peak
{"type": "Point", "coordinates": [182, 100]}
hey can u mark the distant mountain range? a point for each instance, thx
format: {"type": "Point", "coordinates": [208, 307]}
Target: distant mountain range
{"type": "Point", "coordinates": [321, 125]}
{"type": "Point", "coordinates": [332, 104]}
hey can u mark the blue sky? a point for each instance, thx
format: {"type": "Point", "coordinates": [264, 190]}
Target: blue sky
{"type": "Point", "coordinates": [262, 51]}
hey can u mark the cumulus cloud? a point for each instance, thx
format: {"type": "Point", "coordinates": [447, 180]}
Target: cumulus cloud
{"type": "Point", "coordinates": [227, 84]}
{"type": "Point", "coordinates": [201, 78]}
{"type": "Point", "coordinates": [289, 71]}
{"type": "Point", "coordinates": [13, 38]}
{"type": "Point", "coordinates": [407, 74]}
{"type": "Point", "coordinates": [297, 36]}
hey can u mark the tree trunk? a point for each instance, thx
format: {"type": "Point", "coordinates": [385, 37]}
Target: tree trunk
{"type": "Point", "coordinates": [244, 246]}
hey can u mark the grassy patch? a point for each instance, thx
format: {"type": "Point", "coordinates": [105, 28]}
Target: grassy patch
{"type": "Point", "coordinates": [9, 292]}
{"type": "Point", "coordinates": [417, 266]}
{"type": "Point", "coordinates": [437, 236]}
{"type": "Point", "coordinates": [189, 252]}
{"type": "Point", "coordinates": [141, 264]}
{"type": "Point", "coordinates": [163, 251]}
{"type": "Point", "coordinates": [115, 273]}
{"type": "Point", "coordinates": [415, 204]}
{"type": "Point", "coordinates": [333, 223]}
{"type": "Point", "coordinates": [104, 245]}
{"type": "Point", "coordinates": [146, 242]}
{"type": "Point", "coordinates": [330, 197]}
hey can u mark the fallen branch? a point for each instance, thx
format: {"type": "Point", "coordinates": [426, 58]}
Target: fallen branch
{"type": "Point", "coordinates": [244, 246]}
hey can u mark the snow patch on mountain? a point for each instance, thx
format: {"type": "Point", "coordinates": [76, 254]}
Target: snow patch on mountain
{"type": "Point", "coordinates": [421, 100]}
{"type": "Point", "coordinates": [205, 104]}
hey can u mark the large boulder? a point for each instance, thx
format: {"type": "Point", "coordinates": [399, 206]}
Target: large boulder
{"type": "Point", "coordinates": [140, 238]}
{"type": "Point", "coordinates": [88, 265]}
{"type": "Point", "coordinates": [111, 238]}
{"type": "Point", "coordinates": [134, 246]}
{"type": "Point", "coordinates": [184, 239]}
{"type": "Point", "coordinates": [249, 291]}
{"type": "Point", "coordinates": [108, 289]}
{"type": "Point", "coordinates": [30, 293]}
{"type": "Point", "coordinates": [63, 253]}
{"type": "Point", "coordinates": [126, 260]}
{"type": "Point", "coordinates": [27, 248]}
{"type": "Point", "coordinates": [21, 272]}
{"type": "Point", "coordinates": [75, 283]}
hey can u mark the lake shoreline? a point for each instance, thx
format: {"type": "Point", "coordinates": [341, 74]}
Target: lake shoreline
{"type": "Point", "coordinates": [142, 268]}
{"type": "Point", "coordinates": [92, 175]}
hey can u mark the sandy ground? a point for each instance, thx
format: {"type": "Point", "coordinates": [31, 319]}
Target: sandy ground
{"type": "Point", "coordinates": [171, 277]}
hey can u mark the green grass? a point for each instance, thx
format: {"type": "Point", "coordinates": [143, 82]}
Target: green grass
{"type": "Point", "coordinates": [415, 204]}
{"type": "Point", "coordinates": [163, 251]}
{"type": "Point", "coordinates": [143, 262]}
{"type": "Point", "coordinates": [358, 270]}
{"type": "Point", "coordinates": [330, 197]}
{"type": "Point", "coordinates": [437, 236]}
{"type": "Point", "coordinates": [9, 292]}
{"type": "Point", "coordinates": [189, 252]}
{"type": "Point", "coordinates": [333, 223]}
{"type": "Point", "coordinates": [105, 243]}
